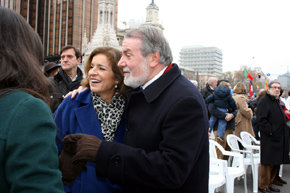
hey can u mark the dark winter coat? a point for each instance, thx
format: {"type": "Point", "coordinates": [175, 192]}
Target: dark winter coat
{"type": "Point", "coordinates": [28, 154]}
{"type": "Point", "coordinates": [206, 91]}
{"type": "Point", "coordinates": [274, 133]}
{"type": "Point", "coordinates": [62, 85]}
{"type": "Point", "coordinates": [221, 115]}
{"type": "Point", "coordinates": [222, 98]}
{"type": "Point", "coordinates": [166, 141]}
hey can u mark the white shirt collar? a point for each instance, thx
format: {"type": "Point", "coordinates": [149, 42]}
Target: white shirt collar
{"type": "Point", "coordinates": [73, 79]}
{"type": "Point", "coordinates": [154, 78]}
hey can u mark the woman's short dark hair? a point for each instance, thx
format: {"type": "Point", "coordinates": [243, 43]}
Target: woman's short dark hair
{"type": "Point", "coordinates": [113, 56]}
{"type": "Point", "coordinates": [21, 56]}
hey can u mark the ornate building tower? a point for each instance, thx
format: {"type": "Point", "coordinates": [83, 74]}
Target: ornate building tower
{"type": "Point", "coordinates": [105, 34]}
{"type": "Point", "coordinates": [152, 15]}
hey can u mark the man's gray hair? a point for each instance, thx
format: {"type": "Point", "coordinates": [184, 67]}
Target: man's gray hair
{"type": "Point", "coordinates": [212, 79]}
{"type": "Point", "coordinates": [153, 41]}
{"type": "Point", "coordinates": [272, 82]}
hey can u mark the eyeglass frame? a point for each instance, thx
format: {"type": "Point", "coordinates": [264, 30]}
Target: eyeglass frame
{"type": "Point", "coordinates": [275, 87]}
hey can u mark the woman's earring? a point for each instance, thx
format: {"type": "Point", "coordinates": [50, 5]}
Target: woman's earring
{"type": "Point", "coordinates": [116, 86]}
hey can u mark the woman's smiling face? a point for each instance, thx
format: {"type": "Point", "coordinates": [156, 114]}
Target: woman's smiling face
{"type": "Point", "coordinates": [101, 77]}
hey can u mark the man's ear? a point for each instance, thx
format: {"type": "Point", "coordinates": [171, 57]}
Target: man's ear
{"type": "Point", "coordinates": [79, 60]}
{"type": "Point", "coordinates": [153, 59]}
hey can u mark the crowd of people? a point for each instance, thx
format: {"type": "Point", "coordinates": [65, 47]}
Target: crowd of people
{"type": "Point", "coordinates": [264, 117]}
{"type": "Point", "coordinates": [138, 126]}
{"type": "Point", "coordinates": [132, 124]}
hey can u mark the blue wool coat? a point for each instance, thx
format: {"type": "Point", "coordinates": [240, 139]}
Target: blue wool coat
{"type": "Point", "coordinates": [165, 147]}
{"type": "Point", "coordinates": [78, 116]}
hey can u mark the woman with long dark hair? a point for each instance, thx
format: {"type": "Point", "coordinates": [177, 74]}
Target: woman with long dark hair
{"type": "Point", "coordinates": [28, 153]}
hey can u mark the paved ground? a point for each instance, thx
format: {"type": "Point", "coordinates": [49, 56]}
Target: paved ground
{"type": "Point", "coordinates": [239, 185]}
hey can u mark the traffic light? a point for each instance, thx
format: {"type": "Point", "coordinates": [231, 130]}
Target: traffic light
{"type": "Point", "coordinates": [259, 75]}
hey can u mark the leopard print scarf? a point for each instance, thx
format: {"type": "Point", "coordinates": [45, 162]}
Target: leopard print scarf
{"type": "Point", "coordinates": [109, 114]}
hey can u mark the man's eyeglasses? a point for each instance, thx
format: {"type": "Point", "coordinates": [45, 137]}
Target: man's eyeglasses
{"type": "Point", "coordinates": [275, 87]}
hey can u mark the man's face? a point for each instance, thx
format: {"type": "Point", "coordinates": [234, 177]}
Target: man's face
{"type": "Point", "coordinates": [275, 90]}
{"type": "Point", "coordinates": [215, 84]}
{"type": "Point", "coordinates": [68, 59]}
{"type": "Point", "coordinates": [135, 67]}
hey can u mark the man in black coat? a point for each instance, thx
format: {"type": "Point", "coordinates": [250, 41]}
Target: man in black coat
{"type": "Point", "coordinates": [166, 145]}
{"type": "Point", "coordinates": [274, 136]}
{"type": "Point", "coordinates": [210, 86]}
{"type": "Point", "coordinates": [69, 76]}
{"type": "Point", "coordinates": [209, 89]}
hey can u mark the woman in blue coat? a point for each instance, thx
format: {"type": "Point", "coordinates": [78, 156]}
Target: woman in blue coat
{"type": "Point", "coordinates": [96, 111]}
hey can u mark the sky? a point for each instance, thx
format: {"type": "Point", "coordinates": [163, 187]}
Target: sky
{"type": "Point", "coordinates": [253, 33]}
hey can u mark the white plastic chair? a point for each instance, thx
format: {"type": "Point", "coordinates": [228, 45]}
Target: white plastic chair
{"type": "Point", "coordinates": [281, 171]}
{"type": "Point", "coordinates": [232, 172]}
{"type": "Point", "coordinates": [250, 158]}
{"type": "Point", "coordinates": [248, 138]}
{"type": "Point", "coordinates": [217, 170]}
{"type": "Point", "coordinates": [217, 174]}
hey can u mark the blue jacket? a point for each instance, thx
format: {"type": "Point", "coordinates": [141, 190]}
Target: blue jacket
{"type": "Point", "coordinates": [165, 147]}
{"type": "Point", "coordinates": [78, 116]}
{"type": "Point", "coordinates": [222, 98]}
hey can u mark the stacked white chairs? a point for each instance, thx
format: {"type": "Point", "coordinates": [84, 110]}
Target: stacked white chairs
{"type": "Point", "coordinates": [250, 157]}
{"type": "Point", "coordinates": [217, 170]}
{"type": "Point", "coordinates": [253, 145]}
{"type": "Point", "coordinates": [231, 172]}
{"type": "Point", "coordinates": [217, 174]}
{"type": "Point", "coordinates": [250, 140]}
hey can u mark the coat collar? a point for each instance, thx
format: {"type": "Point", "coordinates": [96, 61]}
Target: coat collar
{"type": "Point", "coordinates": [61, 75]}
{"type": "Point", "coordinates": [84, 97]}
{"type": "Point", "coordinates": [86, 116]}
{"type": "Point", "coordinates": [271, 97]}
{"type": "Point", "coordinates": [154, 90]}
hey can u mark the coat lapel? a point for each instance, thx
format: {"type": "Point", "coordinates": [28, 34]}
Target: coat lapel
{"type": "Point", "coordinates": [87, 117]}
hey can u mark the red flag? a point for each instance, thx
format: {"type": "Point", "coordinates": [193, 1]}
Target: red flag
{"type": "Point", "coordinates": [248, 75]}
{"type": "Point", "coordinates": [251, 88]}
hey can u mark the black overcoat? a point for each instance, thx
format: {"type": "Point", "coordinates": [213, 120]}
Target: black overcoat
{"type": "Point", "coordinates": [166, 142]}
{"type": "Point", "coordinates": [274, 133]}
{"type": "Point", "coordinates": [62, 85]}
